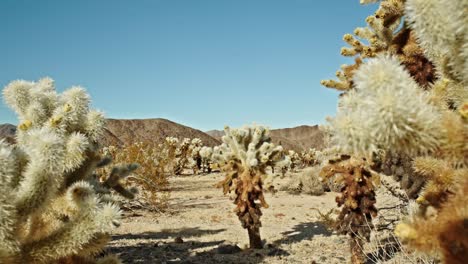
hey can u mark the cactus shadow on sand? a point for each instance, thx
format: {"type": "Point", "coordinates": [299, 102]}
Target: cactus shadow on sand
{"type": "Point", "coordinates": [304, 231]}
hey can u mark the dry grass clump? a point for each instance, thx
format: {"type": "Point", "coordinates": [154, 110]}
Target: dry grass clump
{"type": "Point", "coordinates": [151, 178]}
{"type": "Point", "coordinates": [306, 182]}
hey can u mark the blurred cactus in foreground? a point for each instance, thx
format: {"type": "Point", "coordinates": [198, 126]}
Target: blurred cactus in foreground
{"type": "Point", "coordinates": [407, 97]}
{"type": "Point", "coordinates": [53, 209]}
{"type": "Point", "coordinates": [244, 156]}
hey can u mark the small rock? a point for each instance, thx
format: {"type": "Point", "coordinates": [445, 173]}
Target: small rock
{"type": "Point", "coordinates": [178, 240]}
{"type": "Point", "coordinates": [228, 249]}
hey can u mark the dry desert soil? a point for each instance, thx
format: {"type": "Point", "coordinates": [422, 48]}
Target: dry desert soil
{"type": "Point", "coordinates": [200, 226]}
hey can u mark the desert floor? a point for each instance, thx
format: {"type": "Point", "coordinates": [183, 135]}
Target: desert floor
{"type": "Point", "coordinates": [200, 222]}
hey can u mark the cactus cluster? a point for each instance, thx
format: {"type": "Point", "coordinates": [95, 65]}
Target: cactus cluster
{"type": "Point", "coordinates": [188, 155]}
{"type": "Point", "coordinates": [407, 97]}
{"type": "Point", "coordinates": [309, 157]}
{"type": "Point", "coordinates": [244, 156]}
{"type": "Point", "coordinates": [53, 208]}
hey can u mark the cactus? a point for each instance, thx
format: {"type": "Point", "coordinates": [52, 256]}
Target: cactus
{"type": "Point", "coordinates": [295, 159]}
{"type": "Point", "coordinates": [244, 156]}
{"type": "Point", "coordinates": [182, 153]}
{"type": "Point", "coordinates": [309, 157]}
{"type": "Point", "coordinates": [52, 207]}
{"type": "Point", "coordinates": [383, 35]}
{"type": "Point", "coordinates": [285, 165]}
{"type": "Point", "coordinates": [195, 147]}
{"type": "Point", "coordinates": [410, 100]}
{"type": "Point", "coordinates": [357, 198]}
{"type": "Point", "coordinates": [206, 154]}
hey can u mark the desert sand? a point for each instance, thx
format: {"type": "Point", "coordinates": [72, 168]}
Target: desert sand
{"type": "Point", "coordinates": [200, 227]}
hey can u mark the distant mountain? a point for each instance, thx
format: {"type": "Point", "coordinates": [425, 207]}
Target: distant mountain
{"type": "Point", "coordinates": [127, 131]}
{"type": "Point", "coordinates": [120, 132]}
{"type": "Point", "coordinates": [216, 134]}
{"type": "Point", "coordinates": [297, 138]}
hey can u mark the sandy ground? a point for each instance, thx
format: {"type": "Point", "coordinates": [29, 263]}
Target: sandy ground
{"type": "Point", "coordinates": [200, 219]}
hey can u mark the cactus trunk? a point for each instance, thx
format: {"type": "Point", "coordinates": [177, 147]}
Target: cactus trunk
{"type": "Point", "coordinates": [357, 254]}
{"type": "Point", "coordinates": [255, 240]}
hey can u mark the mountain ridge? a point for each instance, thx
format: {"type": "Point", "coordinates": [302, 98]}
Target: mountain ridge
{"type": "Point", "coordinates": [121, 132]}
{"type": "Point", "coordinates": [297, 138]}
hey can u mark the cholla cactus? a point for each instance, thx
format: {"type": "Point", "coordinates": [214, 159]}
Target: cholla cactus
{"type": "Point", "coordinates": [411, 101]}
{"type": "Point", "coordinates": [285, 165]}
{"type": "Point", "coordinates": [52, 208]}
{"type": "Point", "coordinates": [195, 147]}
{"type": "Point", "coordinates": [357, 200]}
{"type": "Point", "coordinates": [383, 36]}
{"type": "Point", "coordinates": [402, 119]}
{"type": "Point", "coordinates": [244, 155]}
{"type": "Point", "coordinates": [295, 159]}
{"type": "Point", "coordinates": [206, 154]}
{"type": "Point", "coordinates": [182, 154]}
{"type": "Point", "coordinates": [309, 157]}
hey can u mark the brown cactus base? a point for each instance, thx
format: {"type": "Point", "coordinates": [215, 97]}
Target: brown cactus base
{"type": "Point", "coordinates": [254, 238]}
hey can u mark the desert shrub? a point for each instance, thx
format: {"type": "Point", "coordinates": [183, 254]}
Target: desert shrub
{"type": "Point", "coordinates": [244, 156]}
{"type": "Point", "coordinates": [407, 96]}
{"type": "Point", "coordinates": [152, 176]}
{"type": "Point", "coordinates": [53, 209]}
{"type": "Point", "coordinates": [306, 182]}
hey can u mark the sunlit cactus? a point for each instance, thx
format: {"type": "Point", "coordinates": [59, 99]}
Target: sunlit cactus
{"type": "Point", "coordinates": [206, 154]}
{"type": "Point", "coordinates": [410, 100]}
{"type": "Point", "coordinates": [244, 156]}
{"type": "Point", "coordinates": [402, 119]}
{"type": "Point", "coordinates": [52, 207]}
{"type": "Point", "coordinates": [182, 156]}
{"type": "Point", "coordinates": [308, 157]}
{"type": "Point", "coordinates": [195, 146]}
{"type": "Point", "coordinates": [295, 160]}
{"type": "Point", "coordinates": [384, 34]}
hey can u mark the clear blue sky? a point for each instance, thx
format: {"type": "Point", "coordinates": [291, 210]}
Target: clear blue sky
{"type": "Point", "coordinates": [202, 63]}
